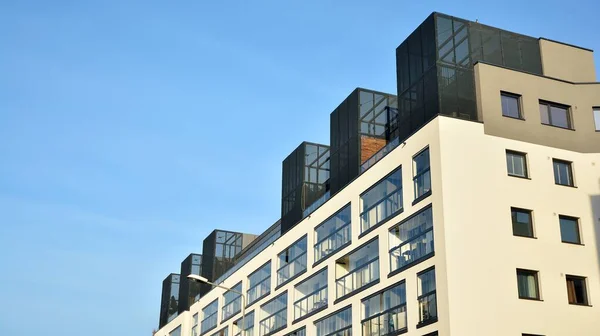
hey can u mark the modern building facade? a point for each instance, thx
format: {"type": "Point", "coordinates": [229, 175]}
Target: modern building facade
{"type": "Point", "coordinates": [188, 290]}
{"type": "Point", "coordinates": [478, 214]}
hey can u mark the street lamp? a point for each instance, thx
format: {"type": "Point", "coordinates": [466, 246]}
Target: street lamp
{"type": "Point", "coordinates": [200, 279]}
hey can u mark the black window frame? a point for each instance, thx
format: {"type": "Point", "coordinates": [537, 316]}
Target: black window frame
{"type": "Point", "coordinates": [531, 226]}
{"type": "Point", "coordinates": [422, 296]}
{"type": "Point", "coordinates": [535, 274]}
{"type": "Point", "coordinates": [569, 164]}
{"type": "Point", "coordinates": [387, 311]}
{"type": "Point", "coordinates": [316, 310]}
{"type": "Point", "coordinates": [596, 117]}
{"type": "Point", "coordinates": [258, 298]}
{"type": "Point", "coordinates": [367, 263]}
{"type": "Point", "coordinates": [343, 227]}
{"type": "Point", "coordinates": [550, 104]}
{"type": "Point", "coordinates": [519, 104]}
{"type": "Point", "coordinates": [204, 318]}
{"type": "Point", "coordinates": [416, 175]}
{"type": "Point", "coordinates": [577, 225]}
{"type": "Point", "coordinates": [275, 313]}
{"type": "Point", "coordinates": [237, 297]}
{"type": "Point", "coordinates": [525, 165]}
{"type": "Point", "coordinates": [290, 261]}
{"type": "Point", "coordinates": [586, 298]}
{"type": "Point", "coordinates": [400, 190]}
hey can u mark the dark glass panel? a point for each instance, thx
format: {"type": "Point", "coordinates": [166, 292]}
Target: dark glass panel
{"type": "Point", "coordinates": [492, 51]}
{"type": "Point", "coordinates": [511, 51]}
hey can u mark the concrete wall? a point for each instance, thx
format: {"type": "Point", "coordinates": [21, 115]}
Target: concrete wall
{"type": "Point", "coordinates": [491, 80]}
{"type": "Point", "coordinates": [567, 62]}
{"type": "Point", "coordinates": [482, 254]}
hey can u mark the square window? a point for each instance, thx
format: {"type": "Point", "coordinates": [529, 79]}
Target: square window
{"type": "Point", "coordinates": [521, 222]}
{"type": "Point", "coordinates": [569, 230]}
{"type": "Point", "coordinates": [511, 105]}
{"type": "Point", "coordinates": [555, 114]}
{"type": "Point", "coordinates": [516, 164]}
{"type": "Point", "coordinates": [527, 282]}
{"type": "Point", "coordinates": [563, 172]}
{"type": "Point", "coordinates": [597, 118]}
{"type": "Point", "coordinates": [577, 290]}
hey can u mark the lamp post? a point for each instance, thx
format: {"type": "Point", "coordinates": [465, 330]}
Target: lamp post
{"type": "Point", "coordinates": [200, 279]}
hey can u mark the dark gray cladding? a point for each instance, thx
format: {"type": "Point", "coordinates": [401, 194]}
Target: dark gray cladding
{"type": "Point", "coordinates": [169, 299]}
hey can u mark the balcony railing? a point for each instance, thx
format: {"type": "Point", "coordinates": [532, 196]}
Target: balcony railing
{"type": "Point", "coordinates": [209, 323]}
{"type": "Point", "coordinates": [311, 302]}
{"type": "Point", "coordinates": [380, 154]}
{"type": "Point", "coordinates": [381, 210]}
{"type": "Point", "coordinates": [247, 332]}
{"type": "Point", "coordinates": [332, 242]}
{"type": "Point", "coordinates": [274, 322]}
{"type": "Point", "coordinates": [385, 323]}
{"type": "Point", "coordinates": [357, 278]}
{"type": "Point", "coordinates": [259, 290]}
{"type": "Point", "coordinates": [427, 308]}
{"type": "Point", "coordinates": [411, 251]}
{"type": "Point", "coordinates": [232, 308]}
{"type": "Point", "coordinates": [316, 204]}
{"type": "Point", "coordinates": [292, 268]}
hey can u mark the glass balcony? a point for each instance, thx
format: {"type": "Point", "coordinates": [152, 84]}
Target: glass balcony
{"type": "Point", "coordinates": [381, 210]}
{"type": "Point", "coordinates": [427, 308]}
{"type": "Point", "coordinates": [311, 302]}
{"type": "Point", "coordinates": [291, 268]}
{"type": "Point", "coordinates": [259, 290]}
{"type": "Point", "coordinates": [385, 323]}
{"type": "Point", "coordinates": [273, 322]}
{"type": "Point", "coordinates": [332, 242]}
{"type": "Point", "coordinates": [412, 251]}
{"type": "Point", "coordinates": [358, 278]}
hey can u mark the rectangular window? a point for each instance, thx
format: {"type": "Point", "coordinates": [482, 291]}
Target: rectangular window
{"type": "Point", "coordinates": [411, 240]}
{"type": "Point", "coordinates": [311, 294]}
{"type": "Point", "coordinates": [274, 315]}
{"type": "Point", "coordinates": [427, 297]}
{"type": "Point", "coordinates": [232, 302]}
{"type": "Point", "coordinates": [522, 222]}
{"type": "Point", "coordinates": [527, 282]}
{"type": "Point", "coordinates": [381, 201]}
{"type": "Point", "coordinates": [555, 114]}
{"type": "Point", "coordinates": [385, 312]}
{"type": "Point", "coordinates": [176, 331]}
{"type": "Point", "coordinates": [292, 261]}
{"type": "Point", "coordinates": [259, 283]}
{"type": "Point", "coordinates": [597, 118]}
{"type": "Point", "coordinates": [421, 173]}
{"type": "Point", "coordinates": [333, 234]}
{"type": "Point", "coordinates": [577, 290]}
{"type": "Point", "coordinates": [569, 229]}
{"type": "Point", "coordinates": [357, 269]}
{"type": "Point", "coordinates": [563, 172]}
{"type": "Point", "coordinates": [195, 325]}
{"type": "Point", "coordinates": [516, 164]}
{"type": "Point", "coordinates": [511, 105]}
{"type": "Point", "coordinates": [209, 317]}
{"type": "Point", "coordinates": [249, 325]}
{"type": "Point", "coordinates": [222, 332]}
{"type": "Point", "coordinates": [338, 324]}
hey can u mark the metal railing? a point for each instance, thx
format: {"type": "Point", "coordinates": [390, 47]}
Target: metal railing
{"type": "Point", "coordinates": [357, 278]}
{"type": "Point", "coordinates": [381, 210]}
{"type": "Point", "coordinates": [273, 322]}
{"type": "Point", "coordinates": [380, 154]}
{"type": "Point", "coordinates": [259, 290]}
{"type": "Point", "coordinates": [311, 302]}
{"type": "Point", "coordinates": [427, 307]}
{"type": "Point", "coordinates": [386, 322]}
{"type": "Point", "coordinates": [292, 268]}
{"type": "Point", "coordinates": [332, 242]}
{"type": "Point", "coordinates": [412, 250]}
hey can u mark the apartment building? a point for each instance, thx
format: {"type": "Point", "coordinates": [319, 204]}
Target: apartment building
{"type": "Point", "coordinates": [467, 204]}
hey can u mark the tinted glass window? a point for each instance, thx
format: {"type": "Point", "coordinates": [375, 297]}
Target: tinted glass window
{"type": "Point", "coordinates": [510, 105]}
{"type": "Point", "coordinates": [527, 282]}
{"type": "Point", "coordinates": [563, 173]}
{"type": "Point", "coordinates": [569, 230]}
{"type": "Point", "coordinates": [555, 114]}
{"type": "Point", "coordinates": [522, 222]}
{"type": "Point", "coordinates": [577, 290]}
{"type": "Point", "coordinates": [516, 164]}
{"type": "Point", "coordinates": [597, 118]}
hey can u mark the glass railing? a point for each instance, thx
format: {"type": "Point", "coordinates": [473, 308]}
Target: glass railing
{"type": "Point", "coordinates": [208, 323]}
{"type": "Point", "coordinates": [232, 308]}
{"type": "Point", "coordinates": [259, 290]}
{"type": "Point", "coordinates": [385, 323]}
{"type": "Point", "coordinates": [291, 269]}
{"type": "Point", "coordinates": [273, 322]}
{"type": "Point", "coordinates": [380, 154]}
{"type": "Point", "coordinates": [381, 210]}
{"type": "Point", "coordinates": [316, 204]}
{"type": "Point", "coordinates": [311, 302]}
{"type": "Point", "coordinates": [412, 251]}
{"type": "Point", "coordinates": [358, 278]}
{"type": "Point", "coordinates": [422, 183]}
{"type": "Point", "coordinates": [427, 307]}
{"type": "Point", "coordinates": [332, 242]}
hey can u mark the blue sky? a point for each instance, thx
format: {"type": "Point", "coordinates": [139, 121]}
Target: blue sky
{"type": "Point", "coordinates": [131, 129]}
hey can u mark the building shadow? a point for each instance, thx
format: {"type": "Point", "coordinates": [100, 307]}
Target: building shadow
{"type": "Point", "coordinates": [595, 203]}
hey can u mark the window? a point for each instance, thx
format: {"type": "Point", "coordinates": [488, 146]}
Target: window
{"type": "Point", "coordinates": [597, 118]}
{"type": "Point", "coordinates": [411, 240]}
{"type": "Point", "coordinates": [259, 283]}
{"type": "Point", "coordinates": [516, 164]}
{"type": "Point", "coordinates": [421, 174]}
{"type": "Point", "coordinates": [385, 312]}
{"type": "Point", "coordinates": [311, 294]}
{"type": "Point", "coordinates": [555, 114]}
{"type": "Point", "coordinates": [292, 261]}
{"type": "Point", "coordinates": [249, 325]}
{"type": "Point", "coordinates": [338, 324]}
{"type": "Point", "coordinates": [511, 105]}
{"type": "Point", "coordinates": [521, 222]}
{"type": "Point", "coordinates": [527, 282]}
{"type": "Point", "coordinates": [222, 332]}
{"type": "Point", "coordinates": [333, 234]}
{"type": "Point", "coordinates": [275, 315]}
{"type": "Point", "coordinates": [209, 317]}
{"type": "Point", "coordinates": [426, 297]}
{"type": "Point", "coordinates": [232, 302]}
{"type": "Point", "coordinates": [577, 290]}
{"type": "Point", "coordinates": [299, 332]}
{"type": "Point", "coordinates": [381, 201]}
{"type": "Point", "coordinates": [357, 269]}
{"type": "Point", "coordinates": [563, 172]}
{"type": "Point", "coordinates": [176, 331]}
{"type": "Point", "coordinates": [195, 325]}
{"type": "Point", "coordinates": [569, 230]}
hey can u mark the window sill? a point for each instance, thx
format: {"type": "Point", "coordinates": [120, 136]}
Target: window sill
{"type": "Point", "coordinates": [276, 330]}
{"type": "Point", "coordinates": [356, 291]}
{"type": "Point", "coordinates": [422, 197]}
{"type": "Point", "coordinates": [521, 177]}
{"type": "Point", "coordinates": [565, 185]}
{"type": "Point", "coordinates": [564, 128]}
{"type": "Point", "coordinates": [343, 246]}
{"type": "Point", "coordinates": [427, 322]}
{"type": "Point", "coordinates": [572, 243]}
{"type": "Point", "coordinates": [415, 263]}
{"type": "Point", "coordinates": [522, 236]}
{"type": "Point", "coordinates": [290, 279]}
{"type": "Point", "coordinates": [302, 318]}
{"type": "Point", "coordinates": [580, 304]}
{"type": "Point", "coordinates": [530, 299]}
{"type": "Point", "coordinates": [387, 219]}
{"type": "Point", "coordinates": [516, 118]}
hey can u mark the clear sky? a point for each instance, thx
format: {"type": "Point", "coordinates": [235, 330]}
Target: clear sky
{"type": "Point", "coordinates": [131, 129]}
